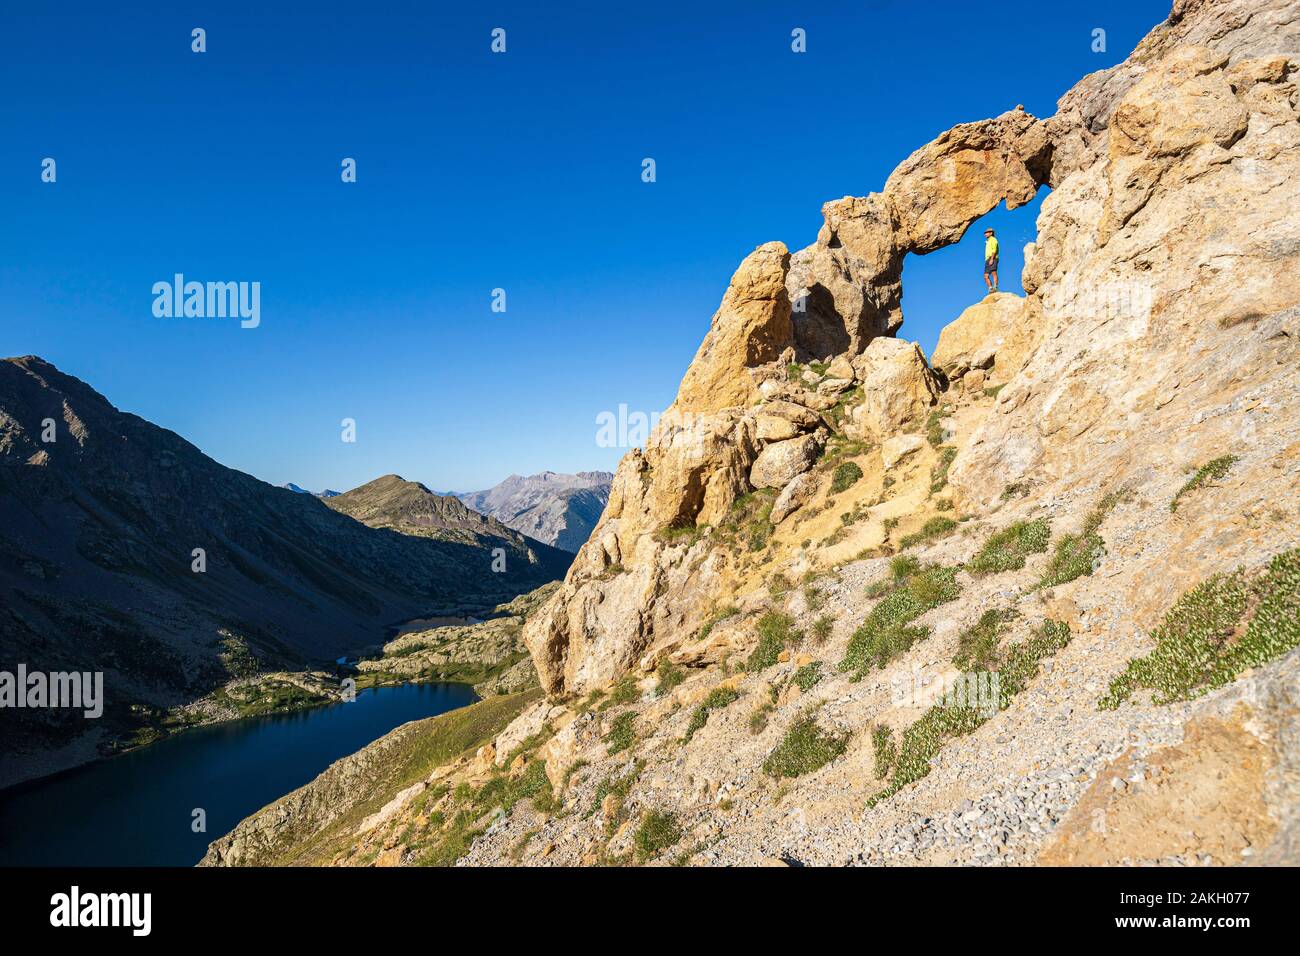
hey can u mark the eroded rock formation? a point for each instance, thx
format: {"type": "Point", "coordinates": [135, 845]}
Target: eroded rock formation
{"type": "Point", "coordinates": [1170, 172]}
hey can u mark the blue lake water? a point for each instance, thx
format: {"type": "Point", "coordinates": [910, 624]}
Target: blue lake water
{"type": "Point", "coordinates": [136, 809]}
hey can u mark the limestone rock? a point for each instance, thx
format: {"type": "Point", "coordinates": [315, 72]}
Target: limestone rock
{"type": "Point", "coordinates": [752, 326]}
{"type": "Point", "coordinates": [994, 332]}
{"type": "Point", "coordinates": [898, 388]}
{"type": "Point", "coordinates": [794, 495]}
{"type": "Point", "coordinates": [772, 428]}
{"type": "Point", "coordinates": [780, 462]}
{"type": "Point", "coordinates": [895, 449]}
{"type": "Point", "coordinates": [800, 415]}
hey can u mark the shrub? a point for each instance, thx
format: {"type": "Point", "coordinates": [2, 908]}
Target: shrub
{"type": "Point", "coordinates": [1077, 554]}
{"type": "Point", "coordinates": [1201, 645]}
{"type": "Point", "coordinates": [923, 740]}
{"type": "Point", "coordinates": [687, 532]}
{"type": "Point", "coordinates": [775, 631]}
{"type": "Point", "coordinates": [1006, 550]}
{"type": "Point", "coordinates": [718, 698]}
{"type": "Point", "coordinates": [885, 633]}
{"type": "Point", "coordinates": [934, 528]}
{"type": "Point", "coordinates": [805, 748]}
{"type": "Point", "coordinates": [808, 676]}
{"type": "Point", "coordinates": [1017, 489]}
{"type": "Point", "coordinates": [624, 691]}
{"type": "Point", "coordinates": [939, 473]}
{"type": "Point", "coordinates": [657, 832]}
{"type": "Point", "coordinates": [845, 475]}
{"type": "Point", "coordinates": [1212, 470]}
{"type": "Point", "coordinates": [778, 585]}
{"type": "Point", "coordinates": [821, 628]}
{"type": "Point", "coordinates": [670, 676]}
{"type": "Point", "coordinates": [934, 428]}
{"type": "Point", "coordinates": [886, 751]}
{"type": "Point", "coordinates": [622, 734]}
{"type": "Point", "coordinates": [978, 645]}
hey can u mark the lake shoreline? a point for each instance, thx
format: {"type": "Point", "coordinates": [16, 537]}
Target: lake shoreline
{"type": "Point", "coordinates": [182, 770]}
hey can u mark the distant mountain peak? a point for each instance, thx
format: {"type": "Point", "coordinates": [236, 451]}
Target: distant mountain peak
{"type": "Point", "coordinates": [556, 508]}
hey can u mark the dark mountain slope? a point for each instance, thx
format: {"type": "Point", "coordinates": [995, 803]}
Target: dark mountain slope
{"type": "Point", "coordinates": [97, 533]}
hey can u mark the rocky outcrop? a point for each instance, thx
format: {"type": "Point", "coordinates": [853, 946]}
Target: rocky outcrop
{"type": "Point", "coordinates": [750, 328]}
{"type": "Point", "coordinates": [1163, 228]}
{"type": "Point", "coordinates": [994, 335]}
{"type": "Point", "coordinates": [898, 389]}
{"type": "Point", "coordinates": [1040, 518]}
{"type": "Point", "coordinates": [1168, 243]}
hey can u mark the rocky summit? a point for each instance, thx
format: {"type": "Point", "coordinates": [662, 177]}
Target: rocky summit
{"type": "Point", "coordinates": [557, 509]}
{"type": "Point", "coordinates": [1032, 600]}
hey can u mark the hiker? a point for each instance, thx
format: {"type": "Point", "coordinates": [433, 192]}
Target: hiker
{"type": "Point", "coordinates": [990, 260]}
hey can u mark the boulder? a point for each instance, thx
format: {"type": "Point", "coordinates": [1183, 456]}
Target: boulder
{"type": "Point", "coordinates": [772, 428]}
{"type": "Point", "coordinates": [793, 496]}
{"type": "Point", "coordinates": [995, 332]}
{"type": "Point", "coordinates": [895, 449]}
{"type": "Point", "coordinates": [898, 389]}
{"type": "Point", "coordinates": [751, 326]}
{"type": "Point", "coordinates": [801, 415]}
{"type": "Point", "coordinates": [780, 462]}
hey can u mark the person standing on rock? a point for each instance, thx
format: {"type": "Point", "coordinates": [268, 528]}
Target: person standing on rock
{"type": "Point", "coordinates": [990, 260]}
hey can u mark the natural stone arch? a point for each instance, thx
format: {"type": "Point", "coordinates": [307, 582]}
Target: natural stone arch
{"type": "Point", "coordinates": [851, 278]}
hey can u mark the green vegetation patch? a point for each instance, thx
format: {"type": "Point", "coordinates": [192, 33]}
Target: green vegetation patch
{"type": "Point", "coordinates": [749, 522]}
{"type": "Point", "coordinates": [846, 474]}
{"type": "Point", "coordinates": [885, 750]}
{"type": "Point", "coordinates": [809, 676]}
{"type": "Point", "coordinates": [624, 691]}
{"type": "Point", "coordinates": [939, 473]}
{"type": "Point", "coordinates": [1222, 627]}
{"type": "Point", "coordinates": [977, 646]}
{"type": "Point", "coordinates": [1076, 555]}
{"type": "Point", "coordinates": [821, 628]}
{"type": "Point", "coordinates": [923, 740]}
{"type": "Point", "coordinates": [657, 832]}
{"type": "Point", "coordinates": [717, 699]}
{"type": "Point", "coordinates": [885, 633]}
{"type": "Point", "coordinates": [684, 532]}
{"type": "Point", "coordinates": [805, 748]}
{"type": "Point", "coordinates": [670, 676]}
{"type": "Point", "coordinates": [936, 527]}
{"type": "Point", "coordinates": [934, 428]}
{"type": "Point", "coordinates": [776, 631]}
{"type": "Point", "coordinates": [1210, 471]}
{"type": "Point", "coordinates": [622, 734]}
{"type": "Point", "coordinates": [1007, 549]}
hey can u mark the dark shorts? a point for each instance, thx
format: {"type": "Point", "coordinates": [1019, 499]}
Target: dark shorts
{"type": "Point", "coordinates": [991, 265]}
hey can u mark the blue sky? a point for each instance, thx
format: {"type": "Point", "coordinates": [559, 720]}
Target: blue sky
{"type": "Point", "coordinates": [475, 171]}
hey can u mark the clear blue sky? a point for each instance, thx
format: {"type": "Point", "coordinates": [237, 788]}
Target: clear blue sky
{"type": "Point", "coordinates": [475, 171]}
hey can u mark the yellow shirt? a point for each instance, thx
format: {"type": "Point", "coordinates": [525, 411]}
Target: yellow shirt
{"type": "Point", "coordinates": [991, 247]}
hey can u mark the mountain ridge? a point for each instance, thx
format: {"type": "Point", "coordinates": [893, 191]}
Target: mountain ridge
{"type": "Point", "coordinates": [123, 548]}
{"type": "Point", "coordinates": [553, 507]}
